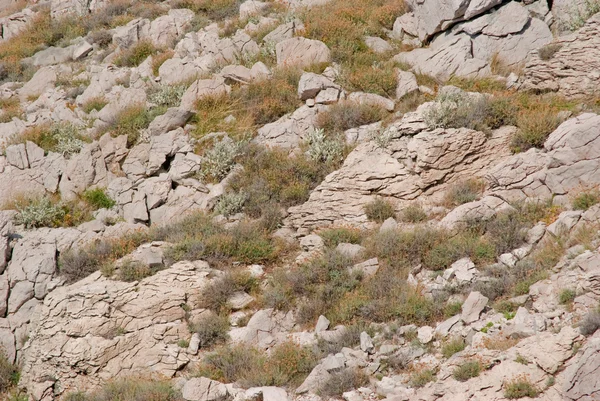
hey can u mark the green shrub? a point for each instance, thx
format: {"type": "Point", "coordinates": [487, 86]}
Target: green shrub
{"type": "Point", "coordinates": [547, 52]}
{"type": "Point", "coordinates": [452, 309]}
{"type": "Point", "coordinates": [10, 108]}
{"type": "Point", "coordinates": [98, 199]}
{"type": "Point", "coordinates": [131, 389]}
{"type": "Point", "coordinates": [96, 103]}
{"type": "Point", "coordinates": [452, 347]}
{"type": "Point", "coordinates": [231, 203]}
{"type": "Point", "coordinates": [379, 78]}
{"type": "Point", "coordinates": [214, 9]}
{"type": "Point", "coordinates": [566, 296]}
{"type": "Point", "coordinates": [344, 380]}
{"type": "Point", "coordinates": [212, 330]}
{"type": "Point", "coordinates": [421, 378]}
{"type": "Point", "coordinates": [136, 54]}
{"type": "Point", "coordinates": [132, 270]}
{"type": "Point", "coordinates": [535, 125]}
{"type": "Point", "coordinates": [345, 115]}
{"type": "Point", "coordinates": [379, 210]}
{"type": "Point", "coordinates": [334, 236]}
{"type": "Point", "coordinates": [218, 161]}
{"type": "Point", "coordinates": [129, 122]}
{"type": "Point", "coordinates": [585, 200]}
{"type": "Point", "coordinates": [287, 364]}
{"type": "Point", "coordinates": [414, 214]}
{"type": "Point", "coordinates": [167, 95]}
{"type": "Point", "coordinates": [59, 138]}
{"type": "Point", "coordinates": [9, 374]}
{"type": "Point", "coordinates": [464, 192]}
{"type": "Point", "coordinates": [271, 178]}
{"type": "Point", "coordinates": [216, 294]}
{"type": "Point", "coordinates": [520, 387]}
{"type": "Point", "coordinates": [467, 370]}
{"type": "Point", "coordinates": [40, 212]}
{"type": "Point", "coordinates": [324, 149]}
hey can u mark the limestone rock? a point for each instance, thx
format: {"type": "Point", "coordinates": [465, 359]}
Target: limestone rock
{"type": "Point", "coordinates": [366, 342]}
{"type": "Point", "coordinates": [322, 324]}
{"type": "Point", "coordinates": [203, 389]}
{"type": "Point", "coordinates": [372, 100]}
{"type": "Point", "coordinates": [407, 84]}
{"type": "Point", "coordinates": [582, 380]}
{"type": "Point", "coordinates": [302, 52]}
{"type": "Point", "coordinates": [473, 306]}
{"type": "Point", "coordinates": [311, 84]}
{"type": "Point", "coordinates": [202, 88]}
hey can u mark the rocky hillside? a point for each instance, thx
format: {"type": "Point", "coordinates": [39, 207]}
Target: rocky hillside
{"type": "Point", "coordinates": [299, 200]}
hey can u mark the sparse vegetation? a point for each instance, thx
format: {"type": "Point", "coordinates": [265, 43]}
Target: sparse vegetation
{"type": "Point", "coordinates": [129, 122]}
{"type": "Point", "coordinates": [98, 199]}
{"type": "Point", "coordinates": [422, 377]}
{"type": "Point", "coordinates": [566, 296]}
{"type": "Point", "coordinates": [212, 330]}
{"type": "Point", "coordinates": [379, 210]}
{"type": "Point", "coordinates": [130, 389]}
{"type": "Point", "coordinates": [334, 236]}
{"type": "Point", "coordinates": [346, 114]}
{"type": "Point", "coordinates": [96, 103]}
{"type": "Point", "coordinates": [219, 160]}
{"type": "Point", "coordinates": [414, 214]}
{"type": "Point", "coordinates": [467, 370]}
{"type": "Point", "coordinates": [217, 293]}
{"type": "Point", "coordinates": [342, 381]}
{"type": "Point", "coordinates": [167, 95]}
{"type": "Point", "coordinates": [520, 387]}
{"type": "Point", "coordinates": [9, 109]}
{"type": "Point", "coordinates": [217, 10]}
{"type": "Point", "coordinates": [133, 270]}
{"type": "Point", "coordinates": [323, 149]}
{"type": "Point", "coordinates": [547, 52]}
{"type": "Point", "coordinates": [287, 364]}
{"type": "Point", "coordinates": [60, 138]}
{"type": "Point", "coordinates": [585, 200]}
{"type": "Point", "coordinates": [452, 347]}
{"type": "Point", "coordinates": [261, 102]}
{"type": "Point", "coordinates": [159, 59]}
{"type": "Point", "coordinates": [9, 373]}
{"type": "Point", "coordinates": [464, 192]}
{"type": "Point", "coordinates": [136, 54]}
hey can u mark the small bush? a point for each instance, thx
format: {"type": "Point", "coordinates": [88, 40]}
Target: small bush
{"type": "Point", "coordinates": [378, 78]}
{"type": "Point", "coordinates": [324, 149]}
{"type": "Point", "coordinates": [590, 323]}
{"type": "Point", "coordinates": [218, 161]}
{"type": "Point", "coordinates": [535, 125]}
{"type": "Point", "coordinates": [464, 192]}
{"type": "Point", "coordinates": [216, 294]}
{"type": "Point", "coordinates": [40, 212]}
{"type": "Point", "coordinates": [421, 378]}
{"type": "Point", "coordinates": [230, 203]}
{"type": "Point", "coordinates": [9, 374]}
{"type": "Point", "coordinates": [585, 200]}
{"type": "Point", "coordinates": [217, 10]}
{"type": "Point", "coordinates": [10, 108]}
{"type": "Point", "coordinates": [60, 138]}
{"type": "Point", "coordinates": [452, 309]}
{"type": "Point", "coordinates": [212, 330]}
{"type": "Point", "coordinates": [131, 389]}
{"type": "Point", "coordinates": [414, 214]}
{"type": "Point", "coordinates": [271, 178]}
{"type": "Point", "coordinates": [167, 95]}
{"type": "Point", "coordinates": [102, 37]}
{"type": "Point", "coordinates": [287, 364]}
{"type": "Point", "coordinates": [467, 370]}
{"type": "Point", "coordinates": [342, 381]}
{"type": "Point", "coordinates": [136, 54]}
{"type": "Point", "coordinates": [520, 387]}
{"type": "Point", "coordinates": [98, 199]}
{"type": "Point", "coordinates": [129, 122]}
{"type": "Point", "coordinates": [96, 103]}
{"type": "Point", "coordinates": [379, 210]}
{"type": "Point", "coordinates": [159, 59]}
{"type": "Point", "coordinates": [345, 115]}
{"type": "Point", "coordinates": [566, 296]}
{"type": "Point", "coordinates": [547, 52]}
{"type": "Point", "coordinates": [131, 270]}
{"type": "Point", "coordinates": [334, 236]}
{"type": "Point", "coordinates": [452, 347]}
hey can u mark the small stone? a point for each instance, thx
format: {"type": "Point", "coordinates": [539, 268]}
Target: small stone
{"type": "Point", "coordinates": [425, 334]}
{"type": "Point", "coordinates": [322, 324]}
{"type": "Point", "coordinates": [366, 343]}
{"type": "Point", "coordinates": [473, 306]}
{"type": "Point", "coordinates": [350, 250]}
{"type": "Point", "coordinates": [389, 224]}
{"type": "Point", "coordinates": [194, 345]}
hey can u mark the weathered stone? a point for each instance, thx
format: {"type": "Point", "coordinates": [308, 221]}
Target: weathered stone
{"type": "Point", "coordinates": [322, 324]}
{"type": "Point", "coordinates": [366, 342]}
{"type": "Point", "coordinates": [372, 99]}
{"type": "Point", "coordinates": [407, 84]}
{"type": "Point", "coordinates": [473, 306]}
{"type": "Point", "coordinates": [582, 381]}
{"type": "Point", "coordinates": [203, 389]}
{"type": "Point", "coordinates": [302, 52]}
